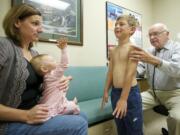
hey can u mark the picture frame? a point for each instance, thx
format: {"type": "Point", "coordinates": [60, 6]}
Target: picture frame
{"type": "Point", "coordinates": [112, 12]}
{"type": "Point", "coordinates": [61, 18]}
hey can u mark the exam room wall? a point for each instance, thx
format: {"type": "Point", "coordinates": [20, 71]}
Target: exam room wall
{"type": "Point", "coordinates": [168, 12]}
{"type": "Point", "coordinates": [93, 51]}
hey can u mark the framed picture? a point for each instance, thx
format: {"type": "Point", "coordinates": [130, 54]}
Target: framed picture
{"type": "Point", "coordinates": [112, 12]}
{"type": "Point", "coordinates": [61, 18]}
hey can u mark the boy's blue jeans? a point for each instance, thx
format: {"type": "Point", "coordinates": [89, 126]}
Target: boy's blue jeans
{"type": "Point", "coordinates": [59, 125]}
{"type": "Point", "coordinates": [132, 123]}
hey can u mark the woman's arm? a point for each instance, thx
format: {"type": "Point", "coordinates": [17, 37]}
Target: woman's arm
{"type": "Point", "coordinates": [11, 114]}
{"type": "Point", "coordinates": [37, 114]}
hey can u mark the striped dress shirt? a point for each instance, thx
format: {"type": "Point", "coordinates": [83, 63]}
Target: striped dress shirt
{"type": "Point", "coordinates": [167, 76]}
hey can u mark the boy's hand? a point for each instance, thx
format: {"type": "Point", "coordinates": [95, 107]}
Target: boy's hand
{"type": "Point", "coordinates": [121, 109]}
{"type": "Point", "coordinates": [62, 43]}
{"type": "Point", "coordinates": [104, 99]}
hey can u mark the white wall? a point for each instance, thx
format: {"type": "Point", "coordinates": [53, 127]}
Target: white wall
{"type": "Point", "coordinates": [4, 6]}
{"type": "Point", "coordinates": [93, 51]}
{"type": "Point", "coordinates": [168, 12]}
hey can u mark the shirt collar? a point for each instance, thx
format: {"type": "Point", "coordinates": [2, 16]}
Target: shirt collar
{"type": "Point", "coordinates": [168, 45]}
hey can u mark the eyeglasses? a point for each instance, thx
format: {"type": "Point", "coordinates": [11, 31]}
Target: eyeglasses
{"type": "Point", "coordinates": [156, 34]}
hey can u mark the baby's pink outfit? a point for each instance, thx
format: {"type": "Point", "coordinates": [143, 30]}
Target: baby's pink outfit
{"type": "Point", "coordinates": [54, 97]}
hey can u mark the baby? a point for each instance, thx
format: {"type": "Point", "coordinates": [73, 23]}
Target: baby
{"type": "Point", "coordinates": [46, 66]}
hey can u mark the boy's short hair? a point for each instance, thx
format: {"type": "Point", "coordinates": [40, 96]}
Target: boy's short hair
{"type": "Point", "coordinates": [132, 21]}
{"type": "Point", "coordinates": [37, 61]}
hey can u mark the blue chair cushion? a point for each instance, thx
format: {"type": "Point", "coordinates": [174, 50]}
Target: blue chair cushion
{"type": "Point", "coordinates": [93, 111]}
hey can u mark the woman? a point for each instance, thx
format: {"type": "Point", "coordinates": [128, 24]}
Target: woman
{"type": "Point", "coordinates": [19, 84]}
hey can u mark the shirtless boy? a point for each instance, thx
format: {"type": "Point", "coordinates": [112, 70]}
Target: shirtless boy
{"type": "Point", "coordinates": [125, 95]}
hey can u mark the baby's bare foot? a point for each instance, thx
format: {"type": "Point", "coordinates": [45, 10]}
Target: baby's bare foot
{"type": "Point", "coordinates": [75, 100]}
{"type": "Point", "coordinates": [77, 110]}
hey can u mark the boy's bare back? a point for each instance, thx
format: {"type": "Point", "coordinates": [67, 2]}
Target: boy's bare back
{"type": "Point", "coordinates": [120, 63]}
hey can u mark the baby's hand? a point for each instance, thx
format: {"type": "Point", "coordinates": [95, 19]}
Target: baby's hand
{"type": "Point", "coordinates": [62, 43]}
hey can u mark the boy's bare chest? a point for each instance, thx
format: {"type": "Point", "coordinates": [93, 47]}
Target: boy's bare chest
{"type": "Point", "coordinates": [121, 54]}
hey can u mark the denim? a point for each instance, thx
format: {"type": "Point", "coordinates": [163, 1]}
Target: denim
{"type": "Point", "coordinates": [58, 125]}
{"type": "Point", "coordinates": [132, 123]}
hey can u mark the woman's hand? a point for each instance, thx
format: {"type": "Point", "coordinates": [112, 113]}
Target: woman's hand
{"type": "Point", "coordinates": [38, 114]}
{"type": "Point", "coordinates": [121, 109]}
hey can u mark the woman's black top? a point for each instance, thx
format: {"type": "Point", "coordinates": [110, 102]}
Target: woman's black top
{"type": "Point", "coordinates": [32, 92]}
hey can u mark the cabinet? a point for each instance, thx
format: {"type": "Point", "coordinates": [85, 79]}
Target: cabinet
{"type": "Point", "coordinates": [104, 128]}
{"type": "Point", "coordinates": [143, 84]}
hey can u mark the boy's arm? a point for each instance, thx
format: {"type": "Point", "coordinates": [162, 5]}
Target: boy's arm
{"type": "Point", "coordinates": [108, 84]}
{"type": "Point", "coordinates": [109, 77]}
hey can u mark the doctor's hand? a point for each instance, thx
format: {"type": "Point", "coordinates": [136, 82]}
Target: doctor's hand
{"type": "Point", "coordinates": [139, 54]}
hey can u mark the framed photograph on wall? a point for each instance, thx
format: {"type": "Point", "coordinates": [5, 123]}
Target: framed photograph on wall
{"type": "Point", "coordinates": [112, 12]}
{"type": "Point", "coordinates": [61, 18]}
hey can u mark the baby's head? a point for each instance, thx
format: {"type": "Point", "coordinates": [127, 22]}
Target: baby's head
{"type": "Point", "coordinates": [43, 64]}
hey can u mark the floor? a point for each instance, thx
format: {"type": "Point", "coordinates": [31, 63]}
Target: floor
{"type": "Point", "coordinates": [153, 122]}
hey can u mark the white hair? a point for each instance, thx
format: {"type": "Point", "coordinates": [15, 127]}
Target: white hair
{"type": "Point", "coordinates": [163, 26]}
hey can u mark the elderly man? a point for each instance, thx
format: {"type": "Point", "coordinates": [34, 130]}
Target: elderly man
{"type": "Point", "coordinates": [161, 63]}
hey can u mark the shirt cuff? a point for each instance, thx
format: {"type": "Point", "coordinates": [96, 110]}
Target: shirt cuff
{"type": "Point", "coordinates": [164, 64]}
{"type": "Point", "coordinates": [160, 64]}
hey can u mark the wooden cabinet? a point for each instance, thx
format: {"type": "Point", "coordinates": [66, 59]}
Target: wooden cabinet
{"type": "Point", "coordinates": [104, 128]}
{"type": "Point", "coordinates": [143, 84]}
